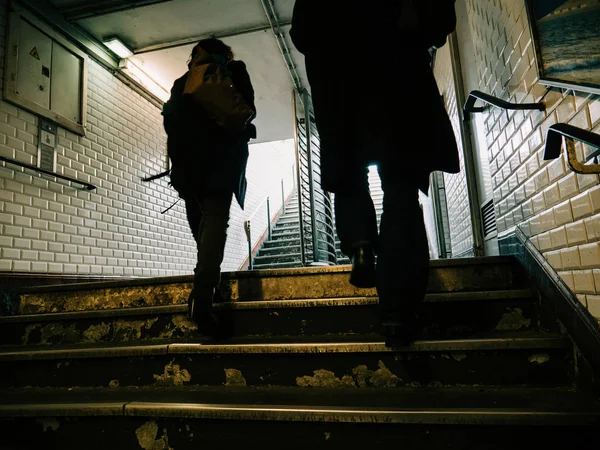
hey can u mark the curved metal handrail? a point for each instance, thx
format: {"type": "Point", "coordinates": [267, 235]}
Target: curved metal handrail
{"type": "Point", "coordinates": [571, 133]}
{"type": "Point", "coordinates": [88, 186]}
{"type": "Point", "coordinates": [495, 101]}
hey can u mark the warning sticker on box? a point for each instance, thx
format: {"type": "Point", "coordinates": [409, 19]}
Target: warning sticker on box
{"type": "Point", "coordinates": [34, 52]}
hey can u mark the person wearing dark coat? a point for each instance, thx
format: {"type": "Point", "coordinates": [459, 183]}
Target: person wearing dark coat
{"type": "Point", "coordinates": [373, 91]}
{"type": "Point", "coordinates": [208, 170]}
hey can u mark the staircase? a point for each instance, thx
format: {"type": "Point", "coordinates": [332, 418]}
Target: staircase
{"type": "Point", "coordinates": [282, 250]}
{"type": "Point", "coordinates": [118, 365]}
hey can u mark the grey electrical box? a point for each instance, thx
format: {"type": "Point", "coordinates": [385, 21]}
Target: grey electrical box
{"type": "Point", "coordinates": [45, 73]}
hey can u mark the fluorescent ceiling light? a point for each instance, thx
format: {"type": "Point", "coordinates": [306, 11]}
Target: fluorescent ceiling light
{"type": "Point", "coordinates": [138, 74]}
{"type": "Point", "coordinates": [118, 47]}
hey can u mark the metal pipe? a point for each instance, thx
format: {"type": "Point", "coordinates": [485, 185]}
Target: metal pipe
{"type": "Point", "coordinates": [269, 218]}
{"type": "Point", "coordinates": [439, 220]}
{"type": "Point", "coordinates": [101, 8]}
{"type": "Point", "coordinates": [466, 133]}
{"type": "Point", "coordinates": [193, 40]}
{"type": "Point", "coordinates": [494, 101]}
{"type": "Point", "coordinates": [249, 239]}
{"type": "Point", "coordinates": [281, 43]}
{"type": "Point", "coordinates": [298, 178]}
{"type": "Point", "coordinates": [282, 197]}
{"type": "Point", "coordinates": [88, 186]}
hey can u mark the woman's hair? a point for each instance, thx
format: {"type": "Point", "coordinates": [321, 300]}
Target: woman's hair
{"type": "Point", "coordinates": [212, 46]}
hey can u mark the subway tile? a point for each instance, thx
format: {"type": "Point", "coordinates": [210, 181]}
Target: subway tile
{"type": "Point", "coordinates": [563, 213]}
{"type": "Point", "coordinates": [581, 206]}
{"type": "Point", "coordinates": [576, 233]}
{"type": "Point", "coordinates": [567, 278]}
{"type": "Point", "coordinates": [593, 304]}
{"type": "Point", "coordinates": [554, 259]}
{"type": "Point", "coordinates": [570, 258]}
{"type": "Point", "coordinates": [590, 255]}
{"type": "Point", "coordinates": [583, 281]}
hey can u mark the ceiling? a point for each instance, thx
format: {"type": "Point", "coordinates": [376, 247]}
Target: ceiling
{"type": "Point", "coordinates": [162, 33]}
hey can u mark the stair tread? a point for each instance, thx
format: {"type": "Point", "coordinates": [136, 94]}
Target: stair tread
{"type": "Point", "coordinates": [426, 405]}
{"type": "Point", "coordinates": [293, 271]}
{"type": "Point", "coordinates": [287, 345]}
{"type": "Point", "coordinates": [509, 294]}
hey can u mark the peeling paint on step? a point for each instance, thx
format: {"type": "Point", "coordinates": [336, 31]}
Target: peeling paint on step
{"type": "Point", "coordinates": [383, 378]}
{"type": "Point", "coordinates": [513, 321]}
{"type": "Point", "coordinates": [173, 375]}
{"type": "Point", "coordinates": [96, 333]}
{"type": "Point", "coordinates": [146, 436]}
{"type": "Point", "coordinates": [325, 378]}
{"type": "Point", "coordinates": [132, 330]}
{"type": "Point", "coordinates": [539, 358]}
{"type": "Point", "coordinates": [362, 375]}
{"type": "Point", "coordinates": [181, 326]}
{"type": "Point", "coordinates": [49, 424]}
{"type": "Point", "coordinates": [327, 436]}
{"type": "Point", "coordinates": [459, 356]}
{"type": "Point", "coordinates": [28, 330]}
{"type": "Point", "coordinates": [234, 378]}
{"type": "Point", "coordinates": [113, 384]}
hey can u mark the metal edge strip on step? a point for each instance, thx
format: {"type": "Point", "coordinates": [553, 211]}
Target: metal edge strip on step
{"type": "Point", "coordinates": [458, 345]}
{"type": "Point", "coordinates": [278, 413]}
{"type": "Point", "coordinates": [469, 296]}
{"type": "Point", "coordinates": [63, 409]}
{"type": "Point", "coordinates": [299, 272]}
{"type": "Point", "coordinates": [183, 309]}
{"type": "Point", "coordinates": [86, 352]}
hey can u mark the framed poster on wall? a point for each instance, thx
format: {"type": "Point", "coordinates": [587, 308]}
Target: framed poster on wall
{"type": "Point", "coordinates": [566, 37]}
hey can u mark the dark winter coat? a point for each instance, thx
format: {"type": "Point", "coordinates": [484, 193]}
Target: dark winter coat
{"type": "Point", "coordinates": [374, 94]}
{"type": "Point", "coordinates": [205, 158]}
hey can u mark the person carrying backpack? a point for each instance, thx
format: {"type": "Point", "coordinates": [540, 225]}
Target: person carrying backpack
{"type": "Point", "coordinates": [373, 90]}
{"type": "Point", "coordinates": [208, 154]}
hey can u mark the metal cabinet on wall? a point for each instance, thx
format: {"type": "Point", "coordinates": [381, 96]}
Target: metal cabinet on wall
{"type": "Point", "coordinates": [45, 73]}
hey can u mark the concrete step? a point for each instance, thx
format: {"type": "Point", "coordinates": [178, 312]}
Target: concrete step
{"type": "Point", "coordinates": [292, 256]}
{"type": "Point", "coordinates": [279, 250]}
{"type": "Point", "coordinates": [450, 315]}
{"type": "Point", "coordinates": [294, 224]}
{"type": "Point", "coordinates": [284, 233]}
{"type": "Point", "coordinates": [322, 417]}
{"type": "Point", "coordinates": [293, 219]}
{"type": "Point", "coordinates": [279, 265]}
{"type": "Point", "coordinates": [453, 275]}
{"type": "Point", "coordinates": [279, 243]}
{"type": "Point", "coordinates": [536, 359]}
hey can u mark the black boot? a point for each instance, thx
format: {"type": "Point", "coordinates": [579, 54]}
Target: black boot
{"type": "Point", "coordinates": [402, 332]}
{"type": "Point", "coordinates": [363, 268]}
{"type": "Point", "coordinates": [200, 308]}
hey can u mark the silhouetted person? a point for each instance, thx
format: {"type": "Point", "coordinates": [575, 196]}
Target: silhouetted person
{"type": "Point", "coordinates": [376, 102]}
{"type": "Point", "coordinates": [208, 169]}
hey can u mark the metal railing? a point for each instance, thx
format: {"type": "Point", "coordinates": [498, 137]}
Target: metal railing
{"type": "Point", "coordinates": [495, 101]}
{"type": "Point", "coordinates": [268, 229]}
{"type": "Point", "coordinates": [570, 133]}
{"type": "Point", "coordinates": [39, 170]}
{"type": "Point", "coordinates": [317, 233]}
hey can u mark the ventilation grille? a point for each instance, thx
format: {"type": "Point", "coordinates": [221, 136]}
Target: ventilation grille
{"type": "Point", "coordinates": [489, 218]}
{"type": "Point", "coordinates": [46, 158]}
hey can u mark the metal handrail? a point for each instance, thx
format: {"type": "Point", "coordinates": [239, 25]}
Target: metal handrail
{"type": "Point", "coordinates": [88, 186]}
{"type": "Point", "coordinates": [495, 101]}
{"type": "Point", "coordinates": [571, 133]}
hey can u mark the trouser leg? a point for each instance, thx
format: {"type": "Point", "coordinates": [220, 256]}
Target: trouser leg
{"type": "Point", "coordinates": [355, 218]}
{"type": "Point", "coordinates": [403, 257]}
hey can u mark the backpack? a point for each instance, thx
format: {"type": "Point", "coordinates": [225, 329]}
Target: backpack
{"type": "Point", "coordinates": [209, 83]}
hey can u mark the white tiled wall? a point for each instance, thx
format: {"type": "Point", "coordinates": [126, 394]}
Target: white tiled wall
{"type": "Point", "coordinates": [558, 209]}
{"type": "Point", "coordinates": [117, 229]}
